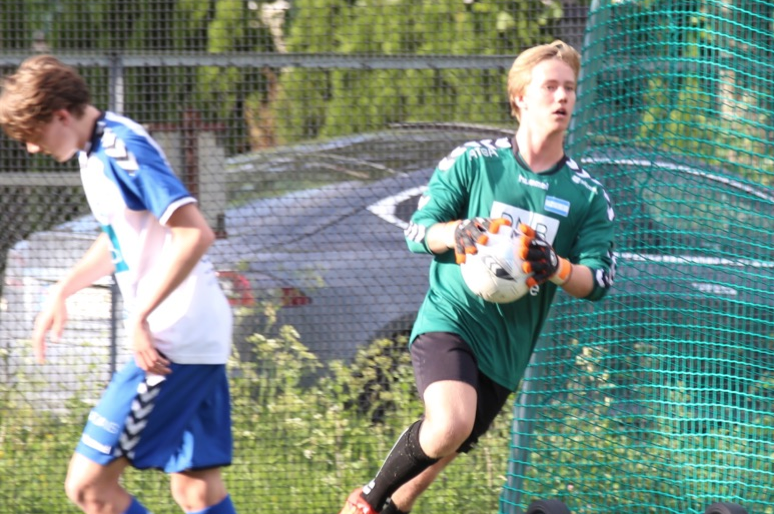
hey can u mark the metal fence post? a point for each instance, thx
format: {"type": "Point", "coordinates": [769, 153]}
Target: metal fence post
{"type": "Point", "coordinates": [115, 104]}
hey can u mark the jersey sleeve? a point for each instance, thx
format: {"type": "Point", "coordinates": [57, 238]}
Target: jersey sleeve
{"type": "Point", "coordinates": [146, 178]}
{"type": "Point", "coordinates": [594, 245]}
{"type": "Point", "coordinates": [443, 201]}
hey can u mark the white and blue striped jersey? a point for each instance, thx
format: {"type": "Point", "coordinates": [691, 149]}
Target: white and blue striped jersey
{"type": "Point", "coordinates": [132, 192]}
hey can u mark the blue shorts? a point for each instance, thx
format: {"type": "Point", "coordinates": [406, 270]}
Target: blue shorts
{"type": "Point", "coordinates": [177, 422]}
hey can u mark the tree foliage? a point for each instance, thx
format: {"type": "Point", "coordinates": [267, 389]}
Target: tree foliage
{"type": "Point", "coordinates": [263, 107]}
{"type": "Point", "coordinates": [302, 440]}
{"type": "Point", "coordinates": [336, 102]}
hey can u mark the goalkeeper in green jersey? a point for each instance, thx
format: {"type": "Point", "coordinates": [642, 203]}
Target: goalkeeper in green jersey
{"type": "Point", "coordinates": [469, 354]}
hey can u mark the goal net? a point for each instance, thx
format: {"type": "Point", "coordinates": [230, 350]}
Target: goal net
{"type": "Point", "coordinates": [659, 398]}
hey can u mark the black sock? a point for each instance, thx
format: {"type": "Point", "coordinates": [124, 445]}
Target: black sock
{"type": "Point", "coordinates": [405, 461]}
{"type": "Point", "coordinates": [390, 508]}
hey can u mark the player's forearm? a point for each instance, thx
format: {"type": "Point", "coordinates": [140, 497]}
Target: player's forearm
{"type": "Point", "coordinates": [440, 237]}
{"type": "Point", "coordinates": [580, 282]}
{"type": "Point", "coordinates": [187, 252]}
{"type": "Point", "coordinates": [191, 238]}
{"type": "Point", "coordinates": [95, 264]}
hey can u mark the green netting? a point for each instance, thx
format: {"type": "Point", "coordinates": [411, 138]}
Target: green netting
{"type": "Point", "coordinates": [660, 398]}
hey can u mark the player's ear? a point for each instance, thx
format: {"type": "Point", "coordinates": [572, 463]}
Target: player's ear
{"type": "Point", "coordinates": [62, 115]}
{"type": "Point", "coordinates": [518, 101]}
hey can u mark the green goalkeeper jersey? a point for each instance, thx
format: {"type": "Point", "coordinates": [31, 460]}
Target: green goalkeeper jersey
{"type": "Point", "coordinates": [488, 179]}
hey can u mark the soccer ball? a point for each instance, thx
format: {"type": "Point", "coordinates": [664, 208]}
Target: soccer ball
{"type": "Point", "coordinates": [495, 273]}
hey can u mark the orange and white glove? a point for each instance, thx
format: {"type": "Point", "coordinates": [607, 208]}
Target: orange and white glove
{"type": "Point", "coordinates": [469, 232]}
{"type": "Point", "coordinates": [540, 259]}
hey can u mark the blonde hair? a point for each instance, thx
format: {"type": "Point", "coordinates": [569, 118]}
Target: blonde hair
{"type": "Point", "coordinates": [40, 86]}
{"type": "Point", "coordinates": [521, 71]}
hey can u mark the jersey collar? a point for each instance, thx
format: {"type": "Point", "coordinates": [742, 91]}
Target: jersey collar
{"type": "Point", "coordinates": [555, 168]}
{"type": "Point", "coordinates": [96, 133]}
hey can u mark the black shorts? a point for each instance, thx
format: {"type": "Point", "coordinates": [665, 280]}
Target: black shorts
{"type": "Point", "coordinates": [445, 356]}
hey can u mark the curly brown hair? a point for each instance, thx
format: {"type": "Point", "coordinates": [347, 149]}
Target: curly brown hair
{"type": "Point", "coordinates": [40, 86]}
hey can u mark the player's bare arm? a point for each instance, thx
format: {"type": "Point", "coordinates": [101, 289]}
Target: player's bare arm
{"type": "Point", "coordinates": [95, 264]}
{"type": "Point", "coordinates": [581, 281]}
{"type": "Point", "coordinates": [440, 237]}
{"type": "Point", "coordinates": [191, 237]}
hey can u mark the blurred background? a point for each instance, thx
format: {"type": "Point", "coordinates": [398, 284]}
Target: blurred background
{"type": "Point", "coordinates": [308, 129]}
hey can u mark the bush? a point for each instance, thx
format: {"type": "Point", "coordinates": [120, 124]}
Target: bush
{"type": "Point", "coordinates": [305, 434]}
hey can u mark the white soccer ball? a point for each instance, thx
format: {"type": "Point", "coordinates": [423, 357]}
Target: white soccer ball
{"type": "Point", "coordinates": [495, 273]}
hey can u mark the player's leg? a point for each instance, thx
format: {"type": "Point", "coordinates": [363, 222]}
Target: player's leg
{"type": "Point", "coordinates": [202, 441]}
{"type": "Point", "coordinates": [446, 375]}
{"type": "Point", "coordinates": [491, 399]}
{"type": "Point", "coordinates": [450, 408]}
{"type": "Point", "coordinates": [450, 411]}
{"type": "Point", "coordinates": [201, 492]}
{"type": "Point", "coordinates": [403, 499]}
{"type": "Point", "coordinates": [176, 423]}
{"type": "Point", "coordinates": [95, 488]}
{"type": "Point", "coordinates": [93, 475]}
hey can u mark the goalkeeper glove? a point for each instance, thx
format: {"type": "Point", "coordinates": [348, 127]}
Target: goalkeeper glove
{"type": "Point", "coordinates": [469, 232]}
{"type": "Point", "coordinates": [541, 260]}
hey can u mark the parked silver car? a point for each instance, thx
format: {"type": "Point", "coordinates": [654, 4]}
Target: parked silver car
{"type": "Point", "coordinates": [332, 257]}
{"type": "Point", "coordinates": [299, 236]}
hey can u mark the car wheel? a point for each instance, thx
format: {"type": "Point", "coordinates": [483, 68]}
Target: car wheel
{"type": "Point", "coordinates": [725, 508]}
{"type": "Point", "coordinates": [547, 507]}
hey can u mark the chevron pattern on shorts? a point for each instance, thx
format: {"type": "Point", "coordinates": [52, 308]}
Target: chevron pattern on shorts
{"type": "Point", "coordinates": [143, 404]}
{"type": "Point", "coordinates": [116, 149]}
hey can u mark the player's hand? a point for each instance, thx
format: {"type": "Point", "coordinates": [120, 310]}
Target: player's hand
{"type": "Point", "coordinates": [540, 259]}
{"type": "Point", "coordinates": [472, 231]}
{"type": "Point", "coordinates": [51, 319]}
{"type": "Point", "coordinates": [146, 355]}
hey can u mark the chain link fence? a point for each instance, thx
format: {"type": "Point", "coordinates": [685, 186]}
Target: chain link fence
{"type": "Point", "coordinates": [307, 129]}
